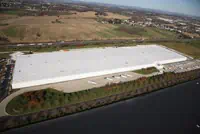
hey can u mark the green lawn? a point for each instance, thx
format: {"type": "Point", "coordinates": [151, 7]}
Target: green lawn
{"type": "Point", "coordinates": [4, 24]}
{"type": "Point", "coordinates": [6, 55]}
{"type": "Point", "coordinates": [10, 31]}
{"type": "Point", "coordinates": [191, 48]}
{"type": "Point", "coordinates": [12, 12]}
{"type": "Point", "coordinates": [137, 31]}
{"type": "Point", "coordinates": [14, 31]}
{"type": "Point", "coordinates": [146, 71]}
{"type": "Point", "coordinates": [159, 33]}
{"type": "Point", "coordinates": [53, 48]}
{"type": "Point", "coordinates": [148, 32]}
{"type": "Point", "coordinates": [114, 33]}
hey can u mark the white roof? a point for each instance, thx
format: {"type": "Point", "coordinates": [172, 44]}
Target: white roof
{"type": "Point", "coordinates": [45, 68]}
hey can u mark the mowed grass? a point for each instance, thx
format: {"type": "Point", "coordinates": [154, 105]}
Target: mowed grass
{"type": "Point", "coordinates": [14, 32]}
{"type": "Point", "coordinates": [114, 33]}
{"type": "Point", "coordinates": [146, 32]}
{"type": "Point", "coordinates": [154, 33]}
{"type": "Point", "coordinates": [4, 24]}
{"type": "Point", "coordinates": [10, 31]}
{"type": "Point", "coordinates": [191, 48]}
{"type": "Point", "coordinates": [131, 30]}
{"type": "Point", "coordinates": [146, 71]}
{"type": "Point", "coordinates": [12, 12]}
{"type": "Point", "coordinates": [125, 31]}
{"type": "Point", "coordinates": [5, 55]}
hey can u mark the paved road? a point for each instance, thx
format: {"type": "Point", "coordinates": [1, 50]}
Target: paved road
{"type": "Point", "coordinates": [86, 42]}
{"type": "Point", "coordinates": [11, 52]}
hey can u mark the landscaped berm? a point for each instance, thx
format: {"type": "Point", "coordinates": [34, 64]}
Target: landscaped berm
{"type": "Point", "coordinates": [149, 70]}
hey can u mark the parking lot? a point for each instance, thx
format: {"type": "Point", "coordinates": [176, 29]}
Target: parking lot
{"type": "Point", "coordinates": [88, 83]}
{"type": "Point", "coordinates": [6, 69]}
{"type": "Point", "coordinates": [182, 66]}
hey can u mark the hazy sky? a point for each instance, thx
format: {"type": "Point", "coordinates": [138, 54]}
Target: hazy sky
{"type": "Point", "coordinates": [191, 7]}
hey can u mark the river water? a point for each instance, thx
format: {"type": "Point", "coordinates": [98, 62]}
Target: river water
{"type": "Point", "coordinates": [175, 110]}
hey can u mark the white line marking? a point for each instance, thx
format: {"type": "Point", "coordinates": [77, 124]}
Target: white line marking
{"type": "Point", "coordinates": [92, 82]}
{"type": "Point", "coordinates": [109, 79]}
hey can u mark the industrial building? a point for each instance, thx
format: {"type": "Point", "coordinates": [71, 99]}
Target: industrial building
{"type": "Point", "coordinates": [46, 68]}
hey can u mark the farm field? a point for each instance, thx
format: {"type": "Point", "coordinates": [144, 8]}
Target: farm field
{"type": "Point", "coordinates": [76, 26]}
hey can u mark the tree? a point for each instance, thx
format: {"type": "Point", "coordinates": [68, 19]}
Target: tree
{"type": "Point", "coordinates": [47, 104]}
{"type": "Point", "coordinates": [56, 103]}
{"type": "Point", "coordinates": [38, 35]}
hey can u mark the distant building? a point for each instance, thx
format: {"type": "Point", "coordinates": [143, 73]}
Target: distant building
{"type": "Point", "coordinates": [165, 19]}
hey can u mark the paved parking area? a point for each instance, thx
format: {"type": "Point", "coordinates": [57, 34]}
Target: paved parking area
{"type": "Point", "coordinates": [88, 83]}
{"type": "Point", "coordinates": [5, 79]}
{"type": "Point", "coordinates": [182, 66]}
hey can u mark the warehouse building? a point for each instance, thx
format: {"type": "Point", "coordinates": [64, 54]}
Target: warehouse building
{"type": "Point", "coordinates": [46, 68]}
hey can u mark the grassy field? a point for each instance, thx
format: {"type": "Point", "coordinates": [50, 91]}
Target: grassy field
{"type": "Point", "coordinates": [10, 31]}
{"type": "Point", "coordinates": [147, 32]}
{"type": "Point", "coordinates": [191, 48]}
{"type": "Point", "coordinates": [12, 12]}
{"type": "Point", "coordinates": [146, 71]}
{"type": "Point", "coordinates": [6, 55]}
{"type": "Point", "coordinates": [79, 26]}
{"type": "Point", "coordinates": [56, 48]}
{"type": "Point", "coordinates": [154, 33]}
{"type": "Point", "coordinates": [115, 34]}
{"type": "Point", "coordinates": [13, 31]}
{"type": "Point", "coordinates": [4, 24]}
{"type": "Point", "coordinates": [70, 29]}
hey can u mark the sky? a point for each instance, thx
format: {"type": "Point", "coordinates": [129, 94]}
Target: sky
{"type": "Point", "coordinates": [189, 7]}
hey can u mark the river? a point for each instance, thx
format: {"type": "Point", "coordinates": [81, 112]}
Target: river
{"type": "Point", "coordinates": [174, 110]}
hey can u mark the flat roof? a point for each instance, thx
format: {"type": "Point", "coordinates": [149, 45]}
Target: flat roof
{"type": "Point", "coordinates": [46, 68]}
